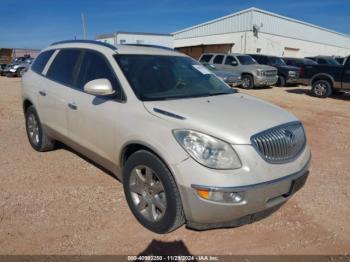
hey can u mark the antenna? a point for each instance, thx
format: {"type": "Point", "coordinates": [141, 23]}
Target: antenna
{"type": "Point", "coordinates": [83, 24]}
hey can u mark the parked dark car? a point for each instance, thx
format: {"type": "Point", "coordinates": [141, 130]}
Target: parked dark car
{"type": "Point", "coordinates": [324, 60]}
{"type": "Point", "coordinates": [325, 79]}
{"type": "Point", "coordinates": [286, 74]}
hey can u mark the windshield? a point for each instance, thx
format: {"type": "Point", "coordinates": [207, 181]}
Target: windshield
{"type": "Point", "coordinates": [246, 60]}
{"type": "Point", "coordinates": [277, 61]}
{"type": "Point", "coordinates": [309, 62]}
{"type": "Point", "coordinates": [156, 77]}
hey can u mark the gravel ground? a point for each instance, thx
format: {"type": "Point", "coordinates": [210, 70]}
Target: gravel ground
{"type": "Point", "coordinates": [59, 203]}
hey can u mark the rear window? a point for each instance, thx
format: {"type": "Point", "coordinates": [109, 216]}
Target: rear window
{"type": "Point", "coordinates": [41, 61]}
{"type": "Point", "coordinates": [205, 58]}
{"type": "Point", "coordinates": [64, 66]}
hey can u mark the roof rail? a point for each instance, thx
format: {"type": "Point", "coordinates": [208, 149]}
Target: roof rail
{"type": "Point", "coordinates": [87, 42]}
{"type": "Point", "coordinates": [155, 46]}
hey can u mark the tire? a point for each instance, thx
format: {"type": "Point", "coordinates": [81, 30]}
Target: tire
{"type": "Point", "coordinates": [322, 88]}
{"type": "Point", "coordinates": [37, 136]}
{"type": "Point", "coordinates": [281, 82]}
{"type": "Point", "coordinates": [247, 82]}
{"type": "Point", "coordinates": [159, 218]}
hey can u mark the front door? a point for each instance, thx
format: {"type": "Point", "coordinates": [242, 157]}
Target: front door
{"type": "Point", "coordinates": [92, 120]}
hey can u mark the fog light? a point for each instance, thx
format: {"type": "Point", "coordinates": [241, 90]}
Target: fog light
{"type": "Point", "coordinates": [233, 197]}
{"type": "Point", "coordinates": [219, 196]}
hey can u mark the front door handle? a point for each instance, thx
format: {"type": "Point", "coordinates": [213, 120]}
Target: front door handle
{"type": "Point", "coordinates": [72, 106]}
{"type": "Point", "coordinates": [42, 93]}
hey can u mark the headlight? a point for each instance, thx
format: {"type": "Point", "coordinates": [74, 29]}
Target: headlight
{"type": "Point", "coordinates": [207, 150]}
{"type": "Point", "coordinates": [291, 73]}
{"type": "Point", "coordinates": [260, 73]}
{"type": "Point", "coordinates": [15, 67]}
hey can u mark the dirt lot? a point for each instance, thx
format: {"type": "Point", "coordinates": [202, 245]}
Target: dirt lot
{"type": "Point", "coordinates": [58, 203]}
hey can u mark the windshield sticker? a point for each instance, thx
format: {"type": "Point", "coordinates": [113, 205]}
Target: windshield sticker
{"type": "Point", "coordinates": [202, 69]}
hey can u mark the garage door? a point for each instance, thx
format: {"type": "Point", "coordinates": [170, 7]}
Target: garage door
{"type": "Point", "coordinates": [291, 52]}
{"type": "Point", "coordinates": [196, 51]}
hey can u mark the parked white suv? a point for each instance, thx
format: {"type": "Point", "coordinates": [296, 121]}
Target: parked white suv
{"type": "Point", "coordinates": [188, 148]}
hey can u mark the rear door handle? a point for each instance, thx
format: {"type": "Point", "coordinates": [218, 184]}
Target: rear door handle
{"type": "Point", "coordinates": [42, 93]}
{"type": "Point", "coordinates": [72, 106]}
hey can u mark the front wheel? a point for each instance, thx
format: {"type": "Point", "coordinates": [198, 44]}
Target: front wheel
{"type": "Point", "coordinates": [322, 88]}
{"type": "Point", "coordinates": [151, 193]}
{"type": "Point", "coordinates": [247, 82]}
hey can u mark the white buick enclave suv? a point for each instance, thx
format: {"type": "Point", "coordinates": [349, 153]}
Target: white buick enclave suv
{"type": "Point", "coordinates": [187, 147]}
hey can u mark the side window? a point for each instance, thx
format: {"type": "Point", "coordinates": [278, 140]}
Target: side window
{"type": "Point", "coordinates": [95, 66]}
{"type": "Point", "coordinates": [218, 59]}
{"type": "Point", "coordinates": [229, 60]}
{"type": "Point", "coordinates": [258, 59]}
{"type": "Point", "coordinates": [41, 60]}
{"type": "Point", "coordinates": [64, 65]}
{"type": "Point", "coordinates": [322, 61]}
{"type": "Point", "coordinates": [205, 58]}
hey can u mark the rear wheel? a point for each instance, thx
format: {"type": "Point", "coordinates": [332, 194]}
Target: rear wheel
{"type": "Point", "coordinates": [37, 136]}
{"type": "Point", "coordinates": [322, 88]}
{"type": "Point", "coordinates": [247, 82]}
{"type": "Point", "coordinates": [151, 193]}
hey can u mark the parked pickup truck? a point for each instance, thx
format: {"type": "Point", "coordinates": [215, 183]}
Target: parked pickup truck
{"type": "Point", "coordinates": [325, 79]}
{"type": "Point", "coordinates": [286, 74]}
{"type": "Point", "coordinates": [253, 74]}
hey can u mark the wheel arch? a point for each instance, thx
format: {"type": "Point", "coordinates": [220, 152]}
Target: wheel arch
{"type": "Point", "coordinates": [323, 76]}
{"type": "Point", "coordinates": [26, 103]}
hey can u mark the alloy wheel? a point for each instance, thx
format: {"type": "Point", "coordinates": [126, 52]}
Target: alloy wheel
{"type": "Point", "coordinates": [33, 129]}
{"type": "Point", "coordinates": [320, 89]}
{"type": "Point", "coordinates": [147, 193]}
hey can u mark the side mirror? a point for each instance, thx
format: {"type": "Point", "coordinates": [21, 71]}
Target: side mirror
{"type": "Point", "coordinates": [234, 63]}
{"type": "Point", "coordinates": [99, 87]}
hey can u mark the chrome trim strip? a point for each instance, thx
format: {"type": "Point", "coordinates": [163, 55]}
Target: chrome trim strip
{"type": "Point", "coordinates": [302, 172]}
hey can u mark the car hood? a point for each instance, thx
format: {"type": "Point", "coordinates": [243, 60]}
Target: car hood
{"type": "Point", "coordinates": [233, 118]}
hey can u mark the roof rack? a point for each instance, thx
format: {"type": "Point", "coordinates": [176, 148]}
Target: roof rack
{"type": "Point", "coordinates": [155, 46]}
{"type": "Point", "coordinates": [86, 42]}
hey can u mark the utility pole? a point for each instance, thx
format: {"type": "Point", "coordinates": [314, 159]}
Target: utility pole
{"type": "Point", "coordinates": [83, 24]}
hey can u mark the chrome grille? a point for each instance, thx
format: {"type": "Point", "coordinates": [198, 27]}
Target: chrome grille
{"type": "Point", "coordinates": [270, 73]}
{"type": "Point", "coordinates": [280, 144]}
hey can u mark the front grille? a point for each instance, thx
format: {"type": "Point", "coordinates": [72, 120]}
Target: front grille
{"type": "Point", "coordinates": [270, 73]}
{"type": "Point", "coordinates": [280, 144]}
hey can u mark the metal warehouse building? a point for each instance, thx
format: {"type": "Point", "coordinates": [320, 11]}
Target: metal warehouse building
{"type": "Point", "coordinates": [137, 38]}
{"type": "Point", "coordinates": [258, 31]}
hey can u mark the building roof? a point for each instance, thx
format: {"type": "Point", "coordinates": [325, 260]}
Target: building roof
{"type": "Point", "coordinates": [260, 11]}
{"type": "Point", "coordinates": [129, 33]}
{"type": "Point", "coordinates": [269, 23]}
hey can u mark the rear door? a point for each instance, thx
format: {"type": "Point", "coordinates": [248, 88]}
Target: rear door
{"type": "Point", "coordinates": [92, 120]}
{"type": "Point", "coordinates": [60, 73]}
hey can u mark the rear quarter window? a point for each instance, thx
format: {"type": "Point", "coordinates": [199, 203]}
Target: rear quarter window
{"type": "Point", "coordinates": [41, 61]}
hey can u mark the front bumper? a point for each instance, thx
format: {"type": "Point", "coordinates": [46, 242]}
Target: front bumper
{"type": "Point", "coordinates": [260, 198]}
{"type": "Point", "coordinates": [234, 83]}
{"type": "Point", "coordinates": [265, 80]}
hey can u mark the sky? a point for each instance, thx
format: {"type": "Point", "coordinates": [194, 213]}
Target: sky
{"type": "Point", "coordinates": [37, 23]}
